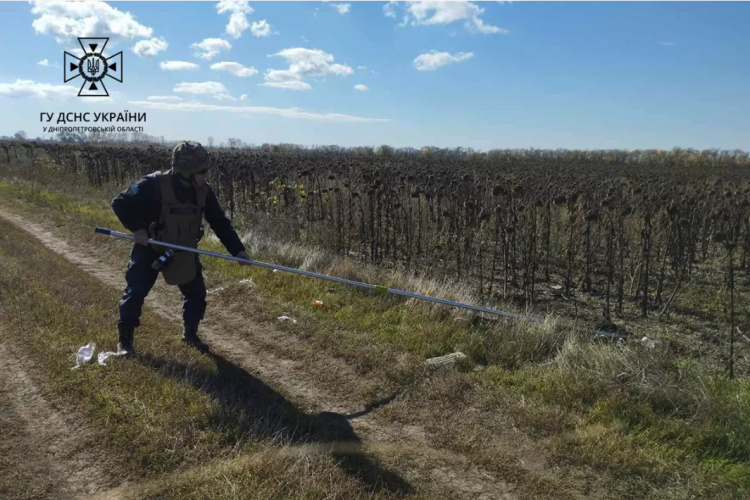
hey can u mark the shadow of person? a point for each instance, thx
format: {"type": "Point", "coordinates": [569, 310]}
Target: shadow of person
{"type": "Point", "coordinates": [249, 407]}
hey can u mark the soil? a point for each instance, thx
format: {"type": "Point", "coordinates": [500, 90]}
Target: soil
{"type": "Point", "coordinates": [47, 452]}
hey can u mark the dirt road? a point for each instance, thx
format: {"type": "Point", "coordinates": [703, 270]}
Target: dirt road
{"type": "Point", "coordinates": [46, 452]}
{"type": "Point", "coordinates": [314, 381]}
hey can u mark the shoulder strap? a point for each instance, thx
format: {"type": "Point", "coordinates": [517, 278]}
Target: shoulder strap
{"type": "Point", "coordinates": [167, 192]}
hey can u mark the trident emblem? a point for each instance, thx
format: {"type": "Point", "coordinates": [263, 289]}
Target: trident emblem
{"type": "Point", "coordinates": [93, 67]}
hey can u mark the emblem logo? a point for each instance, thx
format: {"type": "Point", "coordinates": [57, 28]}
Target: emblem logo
{"type": "Point", "coordinates": [93, 67]}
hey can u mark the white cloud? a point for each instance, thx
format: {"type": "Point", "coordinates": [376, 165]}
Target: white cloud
{"type": "Point", "coordinates": [177, 65]}
{"type": "Point", "coordinates": [68, 20]}
{"type": "Point", "coordinates": [30, 88]}
{"type": "Point", "coordinates": [302, 63]}
{"type": "Point", "coordinates": [361, 67]}
{"type": "Point", "coordinates": [261, 29]}
{"type": "Point", "coordinates": [243, 97]}
{"type": "Point", "coordinates": [237, 24]}
{"type": "Point", "coordinates": [434, 60]}
{"type": "Point", "coordinates": [149, 48]}
{"type": "Point", "coordinates": [361, 87]}
{"type": "Point", "coordinates": [343, 8]}
{"type": "Point", "coordinates": [234, 6]}
{"type": "Point", "coordinates": [430, 12]}
{"type": "Point", "coordinates": [238, 16]}
{"type": "Point", "coordinates": [666, 44]}
{"type": "Point", "coordinates": [210, 48]}
{"type": "Point", "coordinates": [285, 112]}
{"type": "Point", "coordinates": [235, 68]}
{"type": "Point", "coordinates": [213, 89]}
{"type": "Point", "coordinates": [287, 84]}
{"type": "Point", "coordinates": [476, 24]}
{"type": "Point", "coordinates": [48, 64]}
{"type": "Point", "coordinates": [443, 12]}
{"type": "Point", "coordinates": [164, 98]}
{"type": "Point", "coordinates": [390, 9]}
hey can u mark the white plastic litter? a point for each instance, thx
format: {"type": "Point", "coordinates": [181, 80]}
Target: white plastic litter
{"type": "Point", "coordinates": [84, 354]}
{"type": "Point", "coordinates": [286, 318]}
{"type": "Point", "coordinates": [216, 290]}
{"type": "Point", "coordinates": [247, 282]}
{"type": "Point", "coordinates": [102, 357]}
{"type": "Point", "coordinates": [651, 343]}
{"type": "Point", "coordinates": [448, 359]}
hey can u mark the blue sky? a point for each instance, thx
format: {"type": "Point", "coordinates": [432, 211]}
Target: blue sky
{"type": "Point", "coordinates": [486, 75]}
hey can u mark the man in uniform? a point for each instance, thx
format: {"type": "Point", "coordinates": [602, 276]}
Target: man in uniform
{"type": "Point", "coordinates": [169, 206]}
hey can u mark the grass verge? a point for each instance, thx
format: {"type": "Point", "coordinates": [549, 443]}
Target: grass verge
{"type": "Point", "coordinates": [170, 410]}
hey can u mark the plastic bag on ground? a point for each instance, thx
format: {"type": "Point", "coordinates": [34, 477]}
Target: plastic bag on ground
{"type": "Point", "coordinates": [84, 354]}
{"type": "Point", "coordinates": [102, 357]}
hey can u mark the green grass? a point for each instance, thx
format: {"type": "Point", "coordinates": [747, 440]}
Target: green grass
{"type": "Point", "coordinates": [169, 410]}
{"type": "Point", "coordinates": [648, 422]}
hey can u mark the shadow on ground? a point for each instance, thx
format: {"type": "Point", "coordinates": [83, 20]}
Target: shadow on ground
{"type": "Point", "coordinates": [249, 407]}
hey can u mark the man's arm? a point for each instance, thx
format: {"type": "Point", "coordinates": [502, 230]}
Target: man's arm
{"type": "Point", "coordinates": [129, 206]}
{"type": "Point", "coordinates": [222, 226]}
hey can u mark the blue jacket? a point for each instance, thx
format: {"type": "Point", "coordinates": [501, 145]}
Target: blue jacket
{"type": "Point", "coordinates": [140, 205]}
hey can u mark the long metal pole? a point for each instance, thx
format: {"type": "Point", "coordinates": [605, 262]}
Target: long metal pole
{"type": "Point", "coordinates": [377, 288]}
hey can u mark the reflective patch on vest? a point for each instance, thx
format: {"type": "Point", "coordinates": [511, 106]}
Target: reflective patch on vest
{"type": "Point", "coordinates": [183, 211]}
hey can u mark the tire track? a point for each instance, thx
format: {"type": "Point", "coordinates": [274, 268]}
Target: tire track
{"type": "Point", "coordinates": [53, 455]}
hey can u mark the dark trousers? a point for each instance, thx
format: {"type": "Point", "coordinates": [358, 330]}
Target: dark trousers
{"type": "Point", "coordinates": [140, 278]}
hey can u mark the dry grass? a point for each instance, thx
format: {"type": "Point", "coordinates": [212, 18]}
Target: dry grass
{"type": "Point", "coordinates": [306, 258]}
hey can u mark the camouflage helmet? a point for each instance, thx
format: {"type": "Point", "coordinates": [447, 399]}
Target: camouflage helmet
{"type": "Point", "coordinates": [190, 158]}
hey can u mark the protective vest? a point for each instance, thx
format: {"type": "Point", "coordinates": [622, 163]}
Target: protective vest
{"type": "Point", "coordinates": [181, 224]}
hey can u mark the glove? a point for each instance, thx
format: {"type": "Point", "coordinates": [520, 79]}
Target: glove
{"type": "Point", "coordinates": [243, 255]}
{"type": "Point", "coordinates": [141, 237]}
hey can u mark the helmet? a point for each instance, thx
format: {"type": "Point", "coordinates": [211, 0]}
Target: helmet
{"type": "Point", "coordinates": [189, 158]}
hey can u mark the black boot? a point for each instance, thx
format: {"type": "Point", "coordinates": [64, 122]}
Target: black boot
{"type": "Point", "coordinates": [125, 341]}
{"type": "Point", "coordinates": [190, 337]}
